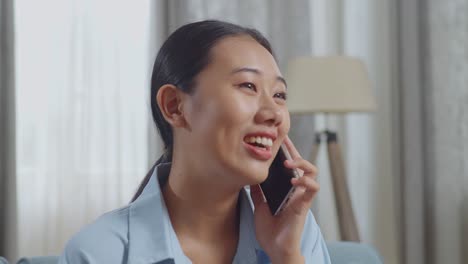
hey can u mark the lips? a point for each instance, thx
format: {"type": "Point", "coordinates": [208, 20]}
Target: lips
{"type": "Point", "coordinates": [259, 145]}
{"type": "Point", "coordinates": [258, 152]}
{"type": "Point", "coordinates": [260, 141]}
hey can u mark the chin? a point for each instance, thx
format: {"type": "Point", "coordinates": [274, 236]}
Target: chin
{"type": "Point", "coordinates": [247, 171]}
{"type": "Point", "coordinates": [255, 174]}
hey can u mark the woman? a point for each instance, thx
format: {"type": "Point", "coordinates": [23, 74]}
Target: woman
{"type": "Point", "coordinates": [214, 86]}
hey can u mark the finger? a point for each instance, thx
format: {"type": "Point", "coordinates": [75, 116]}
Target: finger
{"type": "Point", "coordinates": [310, 188]}
{"type": "Point", "coordinates": [308, 168]}
{"type": "Point", "coordinates": [291, 148]}
{"type": "Point", "coordinates": [304, 194]}
{"type": "Point", "coordinates": [256, 195]}
{"type": "Point", "coordinates": [308, 184]}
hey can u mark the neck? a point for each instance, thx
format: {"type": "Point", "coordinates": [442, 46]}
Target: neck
{"type": "Point", "coordinates": [200, 209]}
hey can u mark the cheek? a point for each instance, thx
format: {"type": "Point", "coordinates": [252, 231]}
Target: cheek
{"type": "Point", "coordinates": [237, 111]}
{"type": "Point", "coordinates": [223, 112]}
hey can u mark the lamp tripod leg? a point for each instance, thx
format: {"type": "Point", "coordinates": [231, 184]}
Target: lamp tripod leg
{"type": "Point", "coordinates": [346, 219]}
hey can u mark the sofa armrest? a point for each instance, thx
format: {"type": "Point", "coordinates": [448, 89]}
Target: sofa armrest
{"type": "Point", "coordinates": [351, 252]}
{"type": "Point", "coordinates": [39, 260]}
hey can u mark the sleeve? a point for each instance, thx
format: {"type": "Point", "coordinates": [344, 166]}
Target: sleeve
{"type": "Point", "coordinates": [313, 246]}
{"type": "Point", "coordinates": [101, 242]}
{"type": "Point", "coordinates": [83, 251]}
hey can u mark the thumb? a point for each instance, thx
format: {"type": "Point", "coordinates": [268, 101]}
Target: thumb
{"type": "Point", "coordinates": [256, 195]}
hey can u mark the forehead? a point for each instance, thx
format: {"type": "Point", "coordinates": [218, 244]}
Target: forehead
{"type": "Point", "coordinates": [242, 51]}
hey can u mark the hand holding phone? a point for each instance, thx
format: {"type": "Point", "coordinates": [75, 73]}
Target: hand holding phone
{"type": "Point", "coordinates": [283, 232]}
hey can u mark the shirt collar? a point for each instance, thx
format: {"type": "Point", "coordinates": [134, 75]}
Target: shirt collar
{"type": "Point", "coordinates": [248, 245]}
{"type": "Point", "coordinates": [152, 238]}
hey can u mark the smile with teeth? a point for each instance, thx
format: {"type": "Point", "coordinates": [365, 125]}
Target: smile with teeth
{"type": "Point", "coordinates": [262, 142]}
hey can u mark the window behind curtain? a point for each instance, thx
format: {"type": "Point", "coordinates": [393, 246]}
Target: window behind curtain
{"type": "Point", "coordinates": [82, 74]}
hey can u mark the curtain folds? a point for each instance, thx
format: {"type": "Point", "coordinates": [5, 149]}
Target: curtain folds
{"type": "Point", "coordinates": [83, 118]}
{"type": "Point", "coordinates": [8, 226]}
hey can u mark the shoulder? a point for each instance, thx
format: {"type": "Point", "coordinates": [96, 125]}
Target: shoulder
{"type": "Point", "coordinates": [313, 244]}
{"type": "Point", "coordinates": [103, 241]}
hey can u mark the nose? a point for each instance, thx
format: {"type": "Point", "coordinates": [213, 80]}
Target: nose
{"type": "Point", "coordinates": [269, 113]}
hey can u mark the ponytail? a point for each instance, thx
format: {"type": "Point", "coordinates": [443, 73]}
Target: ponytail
{"type": "Point", "coordinates": [166, 157]}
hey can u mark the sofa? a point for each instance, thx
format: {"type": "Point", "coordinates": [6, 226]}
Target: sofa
{"type": "Point", "coordinates": [340, 253]}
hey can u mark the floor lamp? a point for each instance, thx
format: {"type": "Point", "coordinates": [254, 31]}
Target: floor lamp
{"type": "Point", "coordinates": [331, 85]}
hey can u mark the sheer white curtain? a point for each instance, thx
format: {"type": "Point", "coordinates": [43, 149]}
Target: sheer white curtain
{"type": "Point", "coordinates": [372, 156]}
{"type": "Point", "coordinates": [83, 118]}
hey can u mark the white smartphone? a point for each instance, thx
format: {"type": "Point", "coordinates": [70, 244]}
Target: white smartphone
{"type": "Point", "coordinates": [277, 188]}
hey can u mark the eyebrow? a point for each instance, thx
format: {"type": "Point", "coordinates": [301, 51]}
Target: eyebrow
{"type": "Point", "coordinates": [258, 72]}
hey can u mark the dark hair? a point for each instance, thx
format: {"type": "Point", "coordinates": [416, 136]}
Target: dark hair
{"type": "Point", "coordinates": [184, 54]}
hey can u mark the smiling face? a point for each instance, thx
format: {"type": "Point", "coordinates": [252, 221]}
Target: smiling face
{"type": "Point", "coordinates": [236, 116]}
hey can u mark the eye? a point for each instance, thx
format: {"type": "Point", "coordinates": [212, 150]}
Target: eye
{"type": "Point", "coordinates": [281, 95]}
{"type": "Point", "coordinates": [249, 85]}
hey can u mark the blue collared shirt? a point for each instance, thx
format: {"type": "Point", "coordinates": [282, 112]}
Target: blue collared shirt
{"type": "Point", "coordinates": [141, 233]}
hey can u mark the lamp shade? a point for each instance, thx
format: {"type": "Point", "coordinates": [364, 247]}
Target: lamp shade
{"type": "Point", "coordinates": [335, 84]}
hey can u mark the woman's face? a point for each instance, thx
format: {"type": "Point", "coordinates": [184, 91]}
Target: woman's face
{"type": "Point", "coordinates": [238, 100]}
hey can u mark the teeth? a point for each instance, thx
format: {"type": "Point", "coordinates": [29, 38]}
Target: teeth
{"type": "Point", "coordinates": [268, 142]}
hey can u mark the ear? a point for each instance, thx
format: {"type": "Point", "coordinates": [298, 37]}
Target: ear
{"type": "Point", "coordinates": [169, 100]}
